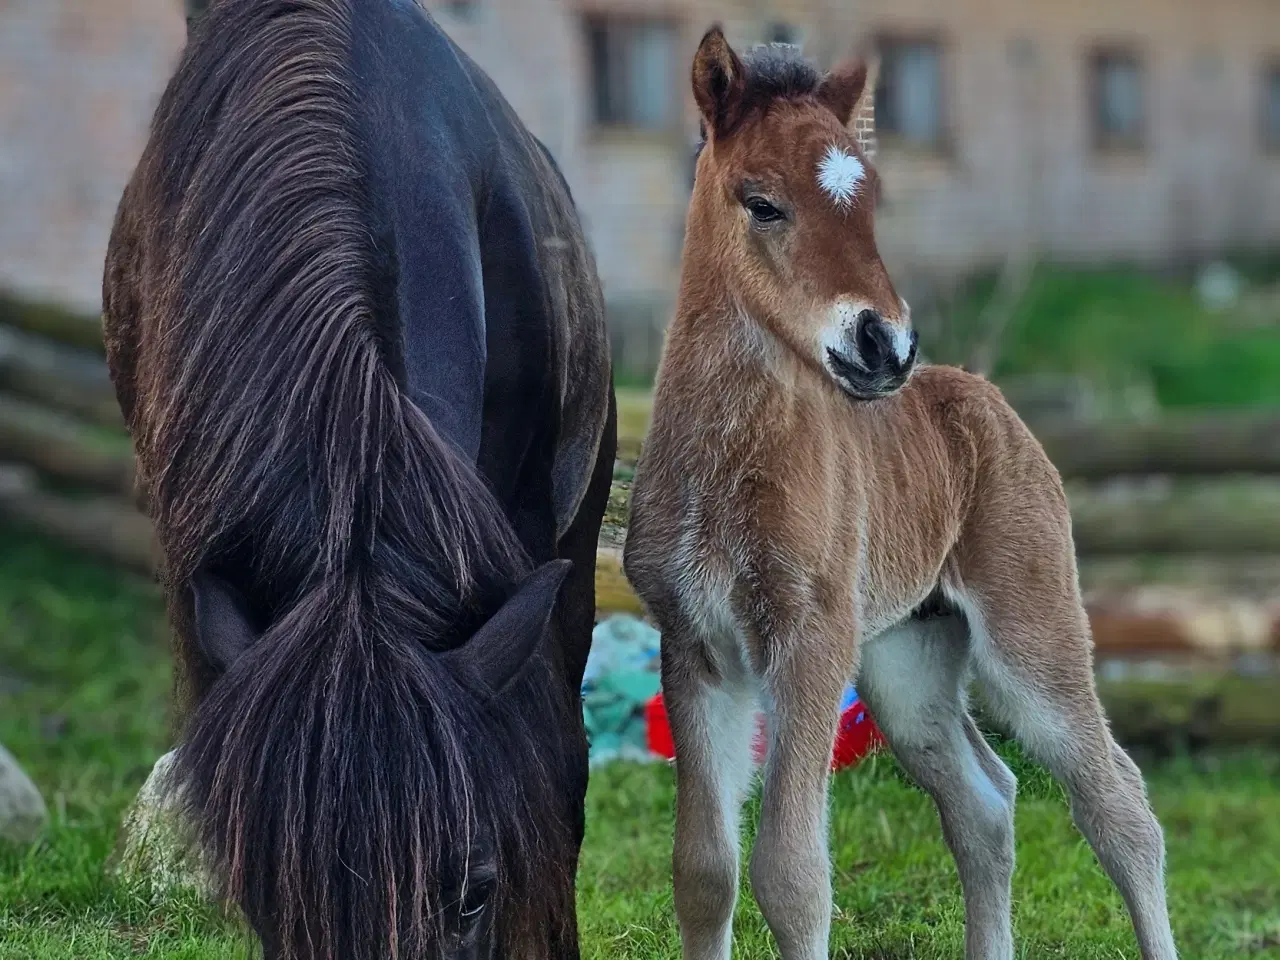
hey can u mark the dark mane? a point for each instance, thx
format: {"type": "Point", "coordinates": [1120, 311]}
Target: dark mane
{"type": "Point", "coordinates": [778, 71]}
{"type": "Point", "coordinates": [774, 71]}
{"type": "Point", "coordinates": [278, 450]}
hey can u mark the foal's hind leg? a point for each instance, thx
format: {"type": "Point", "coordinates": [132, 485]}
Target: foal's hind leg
{"type": "Point", "coordinates": [1033, 658]}
{"type": "Point", "coordinates": [912, 680]}
{"type": "Point", "coordinates": [711, 703]}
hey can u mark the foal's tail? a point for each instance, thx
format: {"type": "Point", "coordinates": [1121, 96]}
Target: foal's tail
{"type": "Point", "coordinates": [326, 768]}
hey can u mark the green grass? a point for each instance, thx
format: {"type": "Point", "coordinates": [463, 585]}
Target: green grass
{"type": "Point", "coordinates": [1122, 328]}
{"type": "Point", "coordinates": [84, 649]}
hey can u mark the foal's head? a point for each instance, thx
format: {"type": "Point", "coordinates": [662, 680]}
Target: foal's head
{"type": "Point", "coordinates": [782, 212]}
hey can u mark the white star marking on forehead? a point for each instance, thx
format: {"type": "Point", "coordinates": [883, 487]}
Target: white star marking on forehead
{"type": "Point", "coordinates": [839, 174]}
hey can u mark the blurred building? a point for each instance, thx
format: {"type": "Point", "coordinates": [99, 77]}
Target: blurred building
{"type": "Point", "coordinates": [1138, 130]}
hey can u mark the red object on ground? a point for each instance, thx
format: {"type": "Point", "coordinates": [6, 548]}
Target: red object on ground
{"type": "Point", "coordinates": [858, 734]}
{"type": "Point", "coordinates": [657, 728]}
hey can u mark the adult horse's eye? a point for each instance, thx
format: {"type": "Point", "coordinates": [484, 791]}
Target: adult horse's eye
{"type": "Point", "coordinates": [474, 900]}
{"type": "Point", "coordinates": [762, 211]}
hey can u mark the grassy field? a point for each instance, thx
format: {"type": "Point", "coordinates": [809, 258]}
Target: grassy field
{"type": "Point", "coordinates": [83, 692]}
{"type": "Point", "coordinates": [1124, 329]}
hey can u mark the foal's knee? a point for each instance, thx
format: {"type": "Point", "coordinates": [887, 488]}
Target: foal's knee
{"type": "Point", "coordinates": [705, 885]}
{"type": "Point", "coordinates": [793, 889]}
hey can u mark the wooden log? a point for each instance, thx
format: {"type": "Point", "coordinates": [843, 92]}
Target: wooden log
{"type": "Point", "coordinates": [62, 448]}
{"type": "Point", "coordinates": [1182, 446]}
{"type": "Point", "coordinates": [1185, 710]}
{"type": "Point", "coordinates": [1185, 522]}
{"type": "Point", "coordinates": [613, 591]}
{"type": "Point", "coordinates": [634, 408]}
{"type": "Point", "coordinates": [1174, 525]}
{"type": "Point", "coordinates": [1180, 526]}
{"type": "Point", "coordinates": [63, 326]}
{"type": "Point", "coordinates": [1193, 710]}
{"type": "Point", "coordinates": [65, 379]}
{"type": "Point", "coordinates": [1177, 446]}
{"type": "Point", "coordinates": [109, 529]}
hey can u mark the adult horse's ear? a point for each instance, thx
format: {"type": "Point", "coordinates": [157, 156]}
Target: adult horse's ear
{"type": "Point", "coordinates": [501, 647]}
{"type": "Point", "coordinates": [223, 628]}
{"type": "Point", "coordinates": [849, 91]}
{"type": "Point", "coordinates": [719, 81]}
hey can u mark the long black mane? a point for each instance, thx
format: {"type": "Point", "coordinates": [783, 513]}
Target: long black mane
{"type": "Point", "coordinates": [338, 769]}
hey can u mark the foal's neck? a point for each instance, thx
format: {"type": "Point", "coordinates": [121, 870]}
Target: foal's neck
{"type": "Point", "coordinates": [740, 373]}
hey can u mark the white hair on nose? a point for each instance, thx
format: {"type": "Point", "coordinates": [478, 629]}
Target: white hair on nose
{"type": "Point", "coordinates": [839, 173]}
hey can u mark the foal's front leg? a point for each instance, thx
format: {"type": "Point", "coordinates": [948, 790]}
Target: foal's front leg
{"type": "Point", "coordinates": [791, 865]}
{"type": "Point", "coordinates": [711, 701]}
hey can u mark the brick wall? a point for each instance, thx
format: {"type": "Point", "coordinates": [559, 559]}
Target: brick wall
{"type": "Point", "coordinates": [78, 81]}
{"type": "Point", "coordinates": [1022, 167]}
{"type": "Point", "coordinates": [78, 84]}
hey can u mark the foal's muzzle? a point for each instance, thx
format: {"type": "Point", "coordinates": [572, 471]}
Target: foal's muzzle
{"type": "Point", "coordinates": [874, 358]}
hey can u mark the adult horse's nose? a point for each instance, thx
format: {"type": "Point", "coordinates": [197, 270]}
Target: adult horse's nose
{"type": "Point", "coordinates": [884, 346]}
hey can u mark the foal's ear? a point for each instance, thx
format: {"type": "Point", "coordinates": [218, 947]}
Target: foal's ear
{"type": "Point", "coordinates": [501, 647]}
{"type": "Point", "coordinates": [849, 91]}
{"type": "Point", "coordinates": [223, 628]}
{"type": "Point", "coordinates": [718, 81]}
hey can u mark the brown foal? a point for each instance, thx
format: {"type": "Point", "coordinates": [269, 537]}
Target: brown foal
{"type": "Point", "coordinates": [810, 507]}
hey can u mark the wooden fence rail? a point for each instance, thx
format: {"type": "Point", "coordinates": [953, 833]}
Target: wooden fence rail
{"type": "Point", "coordinates": [61, 430]}
{"type": "Point", "coordinates": [62, 378]}
{"type": "Point", "coordinates": [1201, 445]}
{"type": "Point", "coordinates": [58, 418]}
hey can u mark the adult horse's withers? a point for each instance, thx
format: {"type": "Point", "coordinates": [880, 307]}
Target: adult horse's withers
{"type": "Point", "coordinates": [359, 343]}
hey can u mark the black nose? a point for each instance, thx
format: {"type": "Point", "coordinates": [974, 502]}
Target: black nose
{"type": "Point", "coordinates": [878, 345]}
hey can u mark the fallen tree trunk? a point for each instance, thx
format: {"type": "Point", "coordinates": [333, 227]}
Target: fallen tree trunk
{"type": "Point", "coordinates": [1179, 524]}
{"type": "Point", "coordinates": [1178, 446]}
{"type": "Point", "coordinates": [1188, 710]}
{"type": "Point", "coordinates": [614, 593]}
{"type": "Point", "coordinates": [1193, 711]}
{"type": "Point", "coordinates": [108, 529]}
{"type": "Point", "coordinates": [1204, 707]}
{"type": "Point", "coordinates": [67, 380]}
{"type": "Point", "coordinates": [64, 449]}
{"type": "Point", "coordinates": [1123, 528]}
{"type": "Point", "coordinates": [1095, 451]}
{"type": "Point", "coordinates": [62, 326]}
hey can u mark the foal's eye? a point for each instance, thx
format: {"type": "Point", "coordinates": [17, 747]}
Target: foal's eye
{"type": "Point", "coordinates": [762, 211]}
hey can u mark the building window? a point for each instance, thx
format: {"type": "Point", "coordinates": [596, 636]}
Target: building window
{"type": "Point", "coordinates": [633, 73]}
{"type": "Point", "coordinates": [1271, 107]}
{"type": "Point", "coordinates": [909, 93]}
{"type": "Point", "coordinates": [1117, 100]}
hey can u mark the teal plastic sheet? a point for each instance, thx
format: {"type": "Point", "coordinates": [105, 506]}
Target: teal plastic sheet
{"type": "Point", "coordinates": [621, 677]}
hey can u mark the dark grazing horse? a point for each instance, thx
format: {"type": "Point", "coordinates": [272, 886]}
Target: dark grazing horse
{"type": "Point", "coordinates": [359, 343]}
